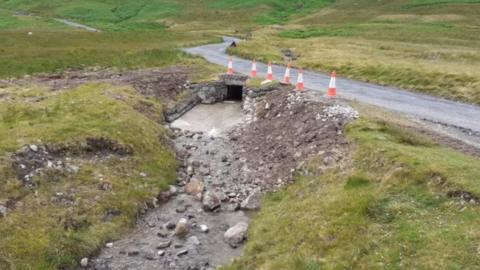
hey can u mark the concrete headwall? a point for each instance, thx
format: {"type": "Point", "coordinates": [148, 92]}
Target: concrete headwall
{"type": "Point", "coordinates": [205, 93]}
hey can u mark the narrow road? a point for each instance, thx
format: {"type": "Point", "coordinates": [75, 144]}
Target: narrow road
{"type": "Point", "coordinates": [462, 117]}
{"type": "Point", "coordinates": [77, 25]}
{"type": "Point", "coordinates": [64, 21]}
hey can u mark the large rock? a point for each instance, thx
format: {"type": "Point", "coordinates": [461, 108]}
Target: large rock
{"type": "Point", "coordinates": [211, 201]}
{"type": "Point", "coordinates": [181, 229]}
{"type": "Point", "coordinates": [252, 202]}
{"type": "Point", "coordinates": [195, 188]}
{"type": "Point", "coordinates": [211, 92]}
{"type": "Point", "coordinates": [236, 234]}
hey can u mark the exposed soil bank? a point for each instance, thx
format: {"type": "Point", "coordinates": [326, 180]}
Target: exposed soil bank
{"type": "Point", "coordinates": [459, 117]}
{"type": "Point", "coordinates": [224, 170]}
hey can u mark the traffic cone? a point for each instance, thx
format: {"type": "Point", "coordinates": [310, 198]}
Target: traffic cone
{"type": "Point", "coordinates": [269, 72]}
{"type": "Point", "coordinates": [286, 77]}
{"type": "Point", "coordinates": [332, 88]}
{"type": "Point", "coordinates": [253, 73]}
{"type": "Point", "coordinates": [230, 66]}
{"type": "Point", "coordinates": [300, 86]}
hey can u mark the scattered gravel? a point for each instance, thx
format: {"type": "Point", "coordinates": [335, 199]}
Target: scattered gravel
{"type": "Point", "coordinates": [201, 223]}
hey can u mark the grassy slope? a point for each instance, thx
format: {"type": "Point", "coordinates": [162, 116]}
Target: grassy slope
{"type": "Point", "coordinates": [388, 210]}
{"type": "Point", "coordinates": [135, 34]}
{"type": "Point", "coordinates": [32, 236]}
{"type": "Point", "coordinates": [418, 45]}
{"type": "Point", "coordinates": [389, 194]}
{"type": "Point", "coordinates": [428, 46]}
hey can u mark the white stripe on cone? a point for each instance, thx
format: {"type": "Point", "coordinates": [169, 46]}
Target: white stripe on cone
{"type": "Point", "coordinates": [230, 66]}
{"type": "Point", "coordinates": [253, 72]}
{"type": "Point", "coordinates": [333, 81]}
{"type": "Point", "coordinates": [286, 77]}
{"type": "Point", "coordinates": [300, 85]}
{"type": "Point", "coordinates": [269, 72]}
{"type": "Point", "coordinates": [332, 87]}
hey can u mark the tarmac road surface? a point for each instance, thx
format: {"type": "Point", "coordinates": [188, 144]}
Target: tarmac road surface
{"type": "Point", "coordinates": [463, 119]}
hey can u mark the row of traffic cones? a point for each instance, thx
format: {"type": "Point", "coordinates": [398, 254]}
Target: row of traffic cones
{"type": "Point", "coordinates": [332, 88]}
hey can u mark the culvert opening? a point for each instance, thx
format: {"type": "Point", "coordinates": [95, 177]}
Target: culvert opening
{"type": "Point", "coordinates": [234, 92]}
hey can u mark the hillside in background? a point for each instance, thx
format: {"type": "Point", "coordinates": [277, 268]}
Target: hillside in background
{"type": "Point", "coordinates": [84, 146]}
{"type": "Point", "coordinates": [423, 45]}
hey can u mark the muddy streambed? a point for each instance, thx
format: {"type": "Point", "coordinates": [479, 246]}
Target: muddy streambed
{"type": "Point", "coordinates": [214, 119]}
{"type": "Point", "coordinates": [229, 155]}
{"type": "Point", "coordinates": [187, 232]}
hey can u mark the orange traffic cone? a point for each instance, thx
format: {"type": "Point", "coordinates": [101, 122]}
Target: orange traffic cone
{"type": "Point", "coordinates": [230, 66]}
{"type": "Point", "coordinates": [286, 77]}
{"type": "Point", "coordinates": [332, 88]}
{"type": "Point", "coordinates": [269, 72]}
{"type": "Point", "coordinates": [253, 73]}
{"type": "Point", "coordinates": [300, 86]}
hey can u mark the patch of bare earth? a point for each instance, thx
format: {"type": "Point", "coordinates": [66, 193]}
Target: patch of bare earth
{"type": "Point", "coordinates": [60, 159]}
{"type": "Point", "coordinates": [161, 83]}
{"type": "Point", "coordinates": [286, 128]}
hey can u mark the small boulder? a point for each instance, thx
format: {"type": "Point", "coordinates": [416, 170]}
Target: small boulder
{"type": "Point", "coordinates": [195, 187]}
{"type": "Point", "coordinates": [73, 169]}
{"type": "Point", "coordinates": [170, 225]}
{"type": "Point", "coordinates": [252, 202]}
{"type": "Point", "coordinates": [84, 262]}
{"type": "Point", "coordinates": [194, 240]}
{"type": "Point", "coordinates": [204, 228]}
{"type": "Point", "coordinates": [133, 252]}
{"type": "Point", "coordinates": [172, 190]}
{"type": "Point", "coordinates": [164, 244]}
{"type": "Point", "coordinates": [211, 201]}
{"type": "Point", "coordinates": [182, 252]}
{"type": "Point", "coordinates": [150, 255]}
{"type": "Point", "coordinates": [182, 228]}
{"type": "Point", "coordinates": [162, 233]}
{"type": "Point", "coordinates": [34, 148]}
{"type": "Point", "coordinates": [236, 234]}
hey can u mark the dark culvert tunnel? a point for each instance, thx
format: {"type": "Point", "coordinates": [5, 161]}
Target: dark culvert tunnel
{"type": "Point", "coordinates": [234, 92]}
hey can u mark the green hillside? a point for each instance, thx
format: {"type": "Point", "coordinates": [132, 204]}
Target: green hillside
{"type": "Point", "coordinates": [388, 209]}
{"type": "Point", "coordinates": [423, 45]}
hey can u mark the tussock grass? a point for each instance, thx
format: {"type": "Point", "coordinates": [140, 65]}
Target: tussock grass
{"type": "Point", "coordinates": [388, 210]}
{"type": "Point", "coordinates": [33, 235]}
{"type": "Point", "coordinates": [431, 49]}
{"type": "Point", "coordinates": [426, 46]}
{"type": "Point", "coordinates": [49, 51]}
{"type": "Point", "coordinates": [447, 70]}
{"type": "Point", "coordinates": [276, 11]}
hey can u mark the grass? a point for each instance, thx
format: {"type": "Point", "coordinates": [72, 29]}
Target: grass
{"type": "Point", "coordinates": [417, 3]}
{"type": "Point", "coordinates": [387, 210]}
{"type": "Point", "coordinates": [431, 50]}
{"type": "Point", "coordinates": [52, 50]}
{"type": "Point", "coordinates": [426, 46]}
{"type": "Point", "coordinates": [35, 234]}
{"type": "Point", "coordinates": [277, 11]}
{"type": "Point", "coordinates": [107, 15]}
